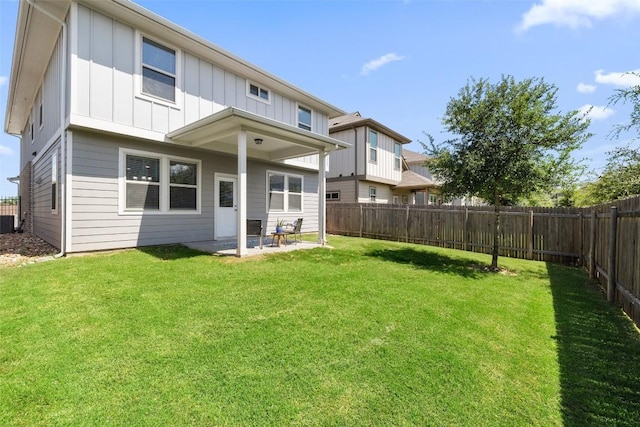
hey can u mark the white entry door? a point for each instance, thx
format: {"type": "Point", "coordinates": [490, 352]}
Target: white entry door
{"type": "Point", "coordinates": [226, 220]}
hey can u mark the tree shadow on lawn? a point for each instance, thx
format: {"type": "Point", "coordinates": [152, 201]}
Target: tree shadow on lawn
{"type": "Point", "coordinates": [170, 252]}
{"type": "Point", "coordinates": [428, 260]}
{"type": "Point", "coordinates": [598, 353]}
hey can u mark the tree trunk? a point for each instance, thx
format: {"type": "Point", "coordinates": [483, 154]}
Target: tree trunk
{"type": "Point", "coordinates": [496, 231]}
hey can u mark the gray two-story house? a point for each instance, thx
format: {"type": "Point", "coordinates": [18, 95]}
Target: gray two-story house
{"type": "Point", "coordinates": [137, 132]}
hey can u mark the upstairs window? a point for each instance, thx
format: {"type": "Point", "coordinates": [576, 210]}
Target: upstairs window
{"type": "Point", "coordinates": [259, 93]}
{"type": "Point", "coordinates": [397, 160]}
{"type": "Point", "coordinates": [304, 118]}
{"type": "Point", "coordinates": [373, 146]}
{"type": "Point", "coordinates": [158, 70]}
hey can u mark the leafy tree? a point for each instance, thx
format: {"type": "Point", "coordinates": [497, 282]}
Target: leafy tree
{"type": "Point", "coordinates": [630, 95]}
{"type": "Point", "coordinates": [620, 178]}
{"type": "Point", "coordinates": [508, 143]}
{"type": "Point", "coordinates": [621, 175]}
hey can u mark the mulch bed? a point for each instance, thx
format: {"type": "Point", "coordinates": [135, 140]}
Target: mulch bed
{"type": "Point", "coordinates": [23, 248]}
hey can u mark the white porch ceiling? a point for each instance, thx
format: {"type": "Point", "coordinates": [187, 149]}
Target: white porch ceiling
{"type": "Point", "coordinates": [280, 141]}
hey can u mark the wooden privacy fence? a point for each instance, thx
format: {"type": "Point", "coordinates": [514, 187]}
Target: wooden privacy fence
{"type": "Point", "coordinates": [581, 236]}
{"type": "Point", "coordinates": [545, 234]}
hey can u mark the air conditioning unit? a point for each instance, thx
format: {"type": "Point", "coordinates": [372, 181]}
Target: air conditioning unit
{"type": "Point", "coordinates": [6, 224]}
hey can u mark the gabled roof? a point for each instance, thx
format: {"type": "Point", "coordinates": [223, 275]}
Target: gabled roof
{"type": "Point", "coordinates": [37, 33]}
{"type": "Point", "coordinates": [413, 181]}
{"type": "Point", "coordinates": [413, 158]}
{"type": "Point", "coordinates": [353, 120]}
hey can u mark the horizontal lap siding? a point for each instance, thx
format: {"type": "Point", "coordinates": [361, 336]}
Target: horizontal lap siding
{"type": "Point", "coordinates": [257, 197]}
{"type": "Point", "coordinates": [46, 223]}
{"type": "Point", "coordinates": [96, 224]}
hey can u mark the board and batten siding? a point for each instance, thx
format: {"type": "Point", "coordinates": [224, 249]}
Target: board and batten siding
{"type": "Point", "coordinates": [104, 85]}
{"type": "Point", "coordinates": [49, 95]}
{"type": "Point", "coordinates": [46, 222]}
{"type": "Point", "coordinates": [384, 167]}
{"type": "Point", "coordinates": [97, 225]}
{"type": "Point", "coordinates": [343, 162]}
{"type": "Point", "coordinates": [347, 191]}
{"type": "Point", "coordinates": [421, 170]}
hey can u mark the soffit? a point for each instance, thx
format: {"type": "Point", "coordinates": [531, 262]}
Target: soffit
{"type": "Point", "coordinates": [35, 39]}
{"type": "Point", "coordinates": [219, 132]}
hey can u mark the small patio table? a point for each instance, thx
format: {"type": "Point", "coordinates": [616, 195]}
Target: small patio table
{"type": "Point", "coordinates": [279, 237]}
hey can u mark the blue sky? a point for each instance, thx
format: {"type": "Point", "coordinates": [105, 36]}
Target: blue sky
{"type": "Point", "coordinates": [399, 62]}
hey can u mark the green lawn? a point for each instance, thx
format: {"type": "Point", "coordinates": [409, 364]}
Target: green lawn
{"type": "Point", "coordinates": [370, 333]}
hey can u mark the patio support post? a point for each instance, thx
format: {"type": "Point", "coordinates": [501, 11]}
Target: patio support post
{"type": "Point", "coordinates": [322, 198]}
{"type": "Point", "coordinates": [242, 194]}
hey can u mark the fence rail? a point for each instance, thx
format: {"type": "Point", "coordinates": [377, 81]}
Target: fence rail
{"type": "Point", "coordinates": [580, 236]}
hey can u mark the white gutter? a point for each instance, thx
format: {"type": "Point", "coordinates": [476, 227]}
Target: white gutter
{"type": "Point", "coordinates": [63, 134]}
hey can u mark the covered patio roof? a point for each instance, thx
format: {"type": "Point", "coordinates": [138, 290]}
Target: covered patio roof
{"type": "Point", "coordinates": [248, 135]}
{"type": "Point", "coordinates": [277, 141]}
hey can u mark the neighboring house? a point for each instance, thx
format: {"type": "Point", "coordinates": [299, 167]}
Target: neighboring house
{"type": "Point", "coordinates": [418, 179]}
{"type": "Point", "coordinates": [137, 132]}
{"type": "Point", "coordinates": [370, 169]}
{"type": "Point", "coordinates": [418, 174]}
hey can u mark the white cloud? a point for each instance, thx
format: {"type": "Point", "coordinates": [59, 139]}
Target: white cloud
{"type": "Point", "coordinates": [3, 80]}
{"type": "Point", "coordinates": [585, 88]}
{"type": "Point", "coordinates": [596, 112]}
{"type": "Point", "coordinates": [618, 78]}
{"type": "Point", "coordinates": [374, 64]}
{"type": "Point", "coordinates": [5, 151]}
{"type": "Point", "coordinates": [575, 13]}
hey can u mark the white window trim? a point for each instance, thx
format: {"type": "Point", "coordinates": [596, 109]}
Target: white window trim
{"type": "Point", "coordinates": [285, 192]}
{"type": "Point", "coordinates": [298, 122]}
{"type": "Point", "coordinates": [375, 191]}
{"type": "Point", "coordinates": [137, 81]}
{"type": "Point", "coordinates": [258, 98]}
{"type": "Point", "coordinates": [373, 148]}
{"type": "Point", "coordinates": [165, 184]}
{"type": "Point", "coordinates": [54, 180]}
{"type": "Point", "coordinates": [397, 157]}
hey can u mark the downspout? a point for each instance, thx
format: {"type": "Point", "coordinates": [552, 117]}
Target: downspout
{"type": "Point", "coordinates": [355, 175]}
{"type": "Point", "coordinates": [63, 134]}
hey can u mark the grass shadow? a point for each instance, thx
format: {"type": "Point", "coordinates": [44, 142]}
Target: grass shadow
{"type": "Point", "coordinates": [170, 252]}
{"type": "Point", "coordinates": [428, 260]}
{"type": "Point", "coordinates": [598, 354]}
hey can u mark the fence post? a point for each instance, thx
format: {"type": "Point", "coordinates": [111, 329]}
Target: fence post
{"type": "Point", "coordinates": [613, 228]}
{"type": "Point", "coordinates": [407, 226]}
{"type": "Point", "coordinates": [530, 240]}
{"type": "Point", "coordinates": [592, 245]}
{"type": "Point", "coordinates": [465, 243]}
{"type": "Point", "coordinates": [361, 221]}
